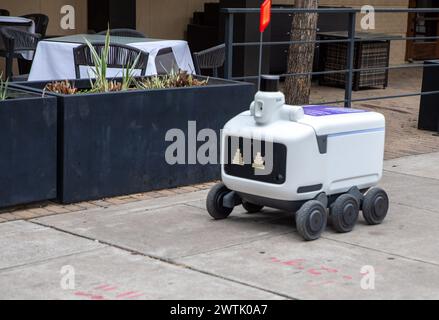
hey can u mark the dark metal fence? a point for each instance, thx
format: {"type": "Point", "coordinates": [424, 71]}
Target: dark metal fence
{"type": "Point", "coordinates": [351, 40]}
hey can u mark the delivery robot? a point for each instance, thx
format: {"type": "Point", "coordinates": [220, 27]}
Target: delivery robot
{"type": "Point", "coordinates": [321, 163]}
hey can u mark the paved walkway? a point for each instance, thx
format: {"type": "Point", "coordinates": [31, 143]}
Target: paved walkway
{"type": "Point", "coordinates": [168, 247]}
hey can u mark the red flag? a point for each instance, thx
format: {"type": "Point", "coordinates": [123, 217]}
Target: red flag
{"type": "Point", "coordinates": [265, 15]}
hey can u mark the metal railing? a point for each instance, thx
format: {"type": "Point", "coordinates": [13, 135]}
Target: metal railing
{"type": "Point", "coordinates": [351, 41]}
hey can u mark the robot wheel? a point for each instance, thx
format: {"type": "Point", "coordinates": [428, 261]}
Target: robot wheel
{"type": "Point", "coordinates": [219, 207]}
{"type": "Point", "coordinates": [375, 206]}
{"type": "Point", "coordinates": [251, 207]}
{"type": "Point", "coordinates": [215, 202]}
{"type": "Point", "coordinates": [312, 217]}
{"type": "Point", "coordinates": [344, 213]}
{"type": "Point", "coordinates": [311, 220]}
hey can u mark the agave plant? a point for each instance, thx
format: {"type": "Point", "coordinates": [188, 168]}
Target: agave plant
{"type": "Point", "coordinates": [101, 83]}
{"type": "Point", "coordinates": [3, 88]}
{"type": "Point", "coordinates": [128, 77]}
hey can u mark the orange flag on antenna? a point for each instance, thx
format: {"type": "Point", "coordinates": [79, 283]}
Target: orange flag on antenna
{"type": "Point", "coordinates": [265, 15]}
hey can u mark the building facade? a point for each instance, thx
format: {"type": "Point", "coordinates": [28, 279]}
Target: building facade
{"type": "Point", "coordinates": [168, 19]}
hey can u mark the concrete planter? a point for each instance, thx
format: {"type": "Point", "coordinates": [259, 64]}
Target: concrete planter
{"type": "Point", "coordinates": [28, 131]}
{"type": "Point", "coordinates": [114, 144]}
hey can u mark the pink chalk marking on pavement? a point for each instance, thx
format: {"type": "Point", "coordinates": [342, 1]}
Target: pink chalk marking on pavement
{"type": "Point", "coordinates": [314, 272]}
{"type": "Point", "coordinates": [135, 296]}
{"type": "Point", "coordinates": [294, 263]}
{"type": "Point", "coordinates": [103, 286]}
{"type": "Point", "coordinates": [89, 295]}
{"type": "Point", "coordinates": [109, 289]}
{"type": "Point", "coordinates": [298, 264]}
{"type": "Point", "coordinates": [330, 270]}
{"type": "Point", "coordinates": [127, 294]}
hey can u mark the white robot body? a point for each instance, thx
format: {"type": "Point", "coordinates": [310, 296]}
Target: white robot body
{"type": "Point", "coordinates": [319, 162]}
{"type": "Point", "coordinates": [328, 150]}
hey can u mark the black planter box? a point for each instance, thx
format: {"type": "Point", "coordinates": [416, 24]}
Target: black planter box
{"type": "Point", "coordinates": [28, 132]}
{"type": "Point", "coordinates": [429, 109]}
{"type": "Point", "coordinates": [114, 144]}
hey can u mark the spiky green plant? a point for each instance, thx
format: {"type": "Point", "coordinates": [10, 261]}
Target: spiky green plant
{"type": "Point", "coordinates": [101, 83]}
{"type": "Point", "coordinates": [3, 88]}
{"type": "Point", "coordinates": [128, 78]}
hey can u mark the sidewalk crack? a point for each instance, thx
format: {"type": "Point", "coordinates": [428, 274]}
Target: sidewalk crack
{"type": "Point", "coordinates": [171, 262]}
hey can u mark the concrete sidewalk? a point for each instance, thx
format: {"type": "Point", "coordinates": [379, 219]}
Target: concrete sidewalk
{"type": "Point", "coordinates": [169, 248]}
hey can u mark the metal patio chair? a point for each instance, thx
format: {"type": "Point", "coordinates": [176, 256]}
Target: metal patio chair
{"type": "Point", "coordinates": [165, 61]}
{"type": "Point", "coordinates": [16, 42]}
{"type": "Point", "coordinates": [212, 59]}
{"type": "Point", "coordinates": [41, 22]}
{"type": "Point", "coordinates": [119, 56]}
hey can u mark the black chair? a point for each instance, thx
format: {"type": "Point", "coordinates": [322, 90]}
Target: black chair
{"type": "Point", "coordinates": [165, 61]}
{"type": "Point", "coordinates": [16, 42]}
{"type": "Point", "coordinates": [124, 33]}
{"type": "Point", "coordinates": [212, 58]}
{"type": "Point", "coordinates": [4, 12]}
{"type": "Point", "coordinates": [119, 56]}
{"type": "Point", "coordinates": [41, 22]}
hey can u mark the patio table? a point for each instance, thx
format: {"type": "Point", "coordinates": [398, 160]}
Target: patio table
{"type": "Point", "coordinates": [54, 57]}
{"type": "Point", "coordinates": [19, 23]}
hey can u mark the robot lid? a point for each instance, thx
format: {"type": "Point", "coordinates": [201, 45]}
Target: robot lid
{"type": "Point", "coordinates": [328, 120]}
{"type": "Point", "coordinates": [269, 108]}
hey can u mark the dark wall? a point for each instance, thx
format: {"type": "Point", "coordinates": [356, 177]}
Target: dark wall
{"type": "Point", "coordinates": [246, 29]}
{"type": "Point", "coordinates": [206, 30]}
{"type": "Point", "coordinates": [429, 112]}
{"type": "Point", "coordinates": [115, 13]}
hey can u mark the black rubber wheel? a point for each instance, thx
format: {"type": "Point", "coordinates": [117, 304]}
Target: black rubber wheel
{"type": "Point", "coordinates": [375, 206]}
{"type": "Point", "coordinates": [251, 207]}
{"type": "Point", "coordinates": [214, 202]}
{"type": "Point", "coordinates": [311, 220]}
{"type": "Point", "coordinates": [344, 213]}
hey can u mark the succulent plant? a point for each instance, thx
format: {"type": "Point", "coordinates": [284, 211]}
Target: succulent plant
{"type": "Point", "coordinates": [61, 87]}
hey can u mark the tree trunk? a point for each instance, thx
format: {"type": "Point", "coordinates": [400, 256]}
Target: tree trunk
{"type": "Point", "coordinates": [301, 56]}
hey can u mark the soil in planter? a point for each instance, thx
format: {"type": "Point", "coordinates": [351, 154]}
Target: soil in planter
{"type": "Point", "coordinates": [180, 79]}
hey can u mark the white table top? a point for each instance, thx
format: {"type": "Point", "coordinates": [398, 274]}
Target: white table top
{"type": "Point", "coordinates": [54, 57]}
{"type": "Point", "coordinates": [15, 20]}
